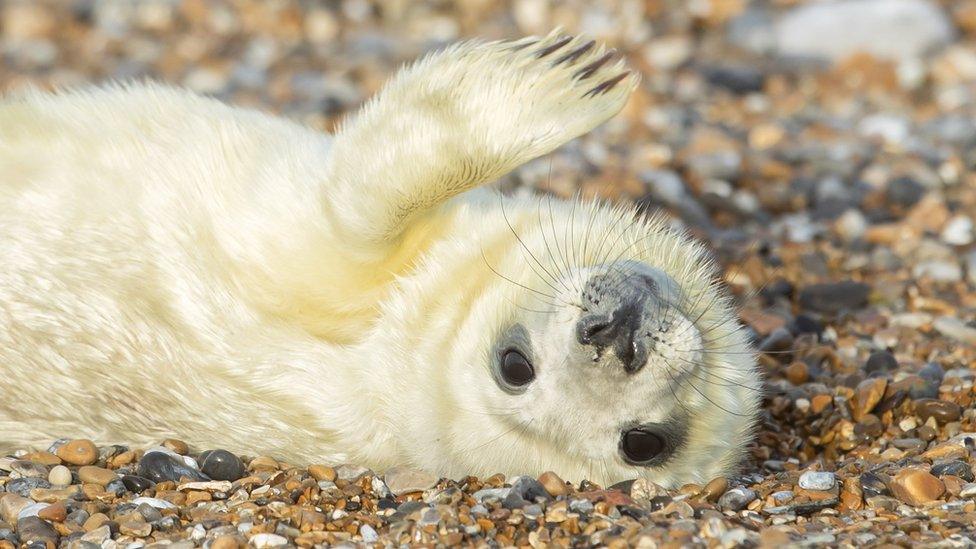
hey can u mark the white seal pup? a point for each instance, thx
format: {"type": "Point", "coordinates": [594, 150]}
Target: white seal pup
{"type": "Point", "coordinates": [173, 266]}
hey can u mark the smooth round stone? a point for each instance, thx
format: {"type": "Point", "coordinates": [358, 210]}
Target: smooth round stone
{"type": "Point", "coordinates": [881, 361]}
{"type": "Point", "coordinates": [955, 468]}
{"type": "Point", "coordinates": [161, 467]}
{"type": "Point", "coordinates": [59, 476]}
{"type": "Point", "coordinates": [221, 465]}
{"type": "Point", "coordinates": [817, 480]}
{"type": "Point", "coordinates": [78, 452]}
{"type": "Point", "coordinates": [736, 499]}
{"type": "Point", "coordinates": [136, 484]}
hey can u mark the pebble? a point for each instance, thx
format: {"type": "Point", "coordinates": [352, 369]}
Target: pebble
{"type": "Point", "coordinates": [736, 499]}
{"type": "Point", "coordinates": [817, 480]}
{"type": "Point", "coordinates": [888, 29]}
{"type": "Point", "coordinates": [136, 484]}
{"type": "Point", "coordinates": [834, 297]}
{"type": "Point", "coordinates": [11, 505]}
{"type": "Point", "coordinates": [154, 502]}
{"type": "Point", "coordinates": [268, 540]}
{"type": "Point", "coordinates": [401, 480]}
{"type": "Point", "coordinates": [368, 534]}
{"type": "Point", "coordinates": [78, 452]}
{"type": "Point", "coordinates": [27, 469]}
{"type": "Point", "coordinates": [59, 476]}
{"type": "Point", "coordinates": [956, 468]}
{"type": "Point", "coordinates": [23, 486]}
{"type": "Point", "coordinates": [916, 487]}
{"type": "Point", "coordinates": [160, 467]}
{"type": "Point", "coordinates": [221, 465]}
{"type": "Point", "coordinates": [942, 411]}
{"type": "Point", "coordinates": [955, 329]}
{"type": "Point", "coordinates": [322, 472]}
{"type": "Point", "coordinates": [33, 529]}
{"type": "Point", "coordinates": [56, 512]}
{"type": "Point", "coordinates": [868, 395]}
{"type": "Point", "coordinates": [96, 475]}
{"type": "Point", "coordinates": [554, 485]}
{"type": "Point", "coordinates": [880, 361]}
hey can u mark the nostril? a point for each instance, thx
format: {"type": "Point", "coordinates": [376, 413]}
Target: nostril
{"type": "Point", "coordinates": [594, 329]}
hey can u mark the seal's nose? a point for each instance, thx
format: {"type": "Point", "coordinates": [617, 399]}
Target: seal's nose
{"type": "Point", "coordinates": [620, 304]}
{"type": "Point", "coordinates": [618, 330]}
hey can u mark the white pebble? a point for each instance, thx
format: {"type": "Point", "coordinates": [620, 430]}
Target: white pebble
{"type": "Point", "coordinates": [154, 502]}
{"type": "Point", "coordinates": [268, 540]}
{"type": "Point", "coordinates": [59, 476]}
{"type": "Point", "coordinates": [817, 480]}
{"type": "Point", "coordinates": [368, 533]}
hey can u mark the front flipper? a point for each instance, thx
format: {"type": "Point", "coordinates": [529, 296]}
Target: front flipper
{"type": "Point", "coordinates": [463, 117]}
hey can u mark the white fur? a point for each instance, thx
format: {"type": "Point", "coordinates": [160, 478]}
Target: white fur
{"type": "Point", "coordinates": [176, 267]}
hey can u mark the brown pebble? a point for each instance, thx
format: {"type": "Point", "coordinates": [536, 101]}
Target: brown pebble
{"type": "Point", "coordinates": [177, 446]}
{"type": "Point", "coordinates": [125, 458]}
{"type": "Point", "coordinates": [868, 395]}
{"type": "Point", "coordinates": [95, 521]}
{"type": "Point", "coordinates": [554, 485]}
{"type": "Point", "coordinates": [916, 487]}
{"type": "Point", "coordinates": [135, 529]}
{"type": "Point", "coordinates": [263, 462]}
{"type": "Point", "coordinates": [851, 496]}
{"type": "Point", "coordinates": [797, 373]}
{"type": "Point", "coordinates": [943, 411]}
{"type": "Point", "coordinates": [196, 496]}
{"type": "Point", "coordinates": [44, 458]}
{"type": "Point", "coordinates": [819, 403]}
{"type": "Point", "coordinates": [78, 452]}
{"type": "Point", "coordinates": [56, 512]}
{"type": "Point", "coordinates": [321, 472]}
{"type": "Point", "coordinates": [714, 489]}
{"type": "Point", "coordinates": [224, 542]}
{"type": "Point", "coordinates": [96, 475]}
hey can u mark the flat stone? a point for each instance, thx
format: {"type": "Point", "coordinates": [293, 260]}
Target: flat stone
{"type": "Point", "coordinates": [154, 502]}
{"type": "Point", "coordinates": [954, 328]}
{"type": "Point", "coordinates": [11, 505]}
{"type": "Point", "coordinates": [78, 452]}
{"type": "Point", "coordinates": [956, 468]}
{"type": "Point", "coordinates": [916, 486]}
{"type": "Point", "coordinates": [27, 469]}
{"type": "Point", "coordinates": [888, 29]}
{"type": "Point", "coordinates": [136, 529]}
{"type": "Point", "coordinates": [401, 480]}
{"type": "Point", "coordinates": [32, 529]}
{"type": "Point", "coordinates": [834, 297]}
{"type": "Point", "coordinates": [211, 486]}
{"type": "Point", "coordinates": [943, 411]}
{"type": "Point", "coordinates": [96, 475]}
{"type": "Point", "coordinates": [817, 480]}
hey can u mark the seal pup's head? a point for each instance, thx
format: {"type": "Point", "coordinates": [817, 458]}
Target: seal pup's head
{"type": "Point", "coordinates": [608, 351]}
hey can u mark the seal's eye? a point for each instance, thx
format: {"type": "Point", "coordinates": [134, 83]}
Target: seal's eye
{"type": "Point", "coordinates": [516, 369]}
{"type": "Point", "coordinates": [640, 445]}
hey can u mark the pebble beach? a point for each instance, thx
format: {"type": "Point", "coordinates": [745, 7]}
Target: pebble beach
{"type": "Point", "coordinates": [826, 152]}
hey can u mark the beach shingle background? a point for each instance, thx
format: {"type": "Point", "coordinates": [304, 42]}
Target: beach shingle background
{"type": "Point", "coordinates": [826, 150]}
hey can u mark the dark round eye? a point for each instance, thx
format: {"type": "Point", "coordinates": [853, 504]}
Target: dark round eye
{"type": "Point", "coordinates": [516, 369]}
{"type": "Point", "coordinates": [640, 445]}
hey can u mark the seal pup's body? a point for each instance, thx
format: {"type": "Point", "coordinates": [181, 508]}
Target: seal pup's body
{"type": "Point", "coordinates": [176, 267]}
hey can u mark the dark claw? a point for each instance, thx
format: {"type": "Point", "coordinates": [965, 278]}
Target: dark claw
{"type": "Point", "coordinates": [575, 54]}
{"type": "Point", "coordinates": [559, 43]}
{"type": "Point", "coordinates": [607, 85]}
{"type": "Point", "coordinates": [588, 70]}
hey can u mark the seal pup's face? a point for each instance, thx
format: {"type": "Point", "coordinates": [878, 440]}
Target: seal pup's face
{"type": "Point", "coordinates": [611, 369]}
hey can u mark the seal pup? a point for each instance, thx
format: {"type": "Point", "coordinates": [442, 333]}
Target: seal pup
{"type": "Point", "coordinates": [173, 266]}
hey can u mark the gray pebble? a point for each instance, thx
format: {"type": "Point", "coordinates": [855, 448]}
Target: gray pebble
{"type": "Point", "coordinates": [817, 480]}
{"type": "Point", "coordinates": [736, 499]}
